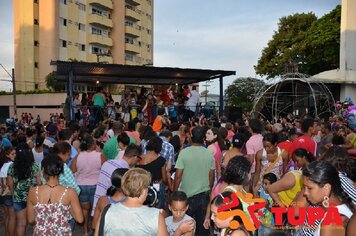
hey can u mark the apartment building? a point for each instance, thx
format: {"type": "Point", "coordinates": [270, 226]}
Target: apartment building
{"type": "Point", "coordinates": [108, 31]}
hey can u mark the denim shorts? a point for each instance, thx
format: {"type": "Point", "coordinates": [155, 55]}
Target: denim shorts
{"type": "Point", "coordinates": [6, 200]}
{"type": "Point", "coordinates": [87, 193]}
{"type": "Point", "coordinates": [19, 206]}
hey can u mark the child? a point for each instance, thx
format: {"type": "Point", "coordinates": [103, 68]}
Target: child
{"type": "Point", "coordinates": [178, 205]}
{"type": "Point", "coordinates": [267, 221]}
{"type": "Point", "coordinates": [224, 225]}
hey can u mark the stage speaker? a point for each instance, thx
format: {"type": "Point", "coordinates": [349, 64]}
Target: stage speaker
{"type": "Point", "coordinates": [233, 113]}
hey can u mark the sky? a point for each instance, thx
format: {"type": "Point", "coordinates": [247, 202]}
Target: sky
{"type": "Point", "coordinates": [200, 34]}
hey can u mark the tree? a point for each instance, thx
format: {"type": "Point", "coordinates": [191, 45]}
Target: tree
{"type": "Point", "coordinates": [286, 45]}
{"type": "Point", "coordinates": [51, 84]}
{"type": "Point", "coordinates": [305, 42]}
{"type": "Point", "coordinates": [242, 92]}
{"type": "Point", "coordinates": [322, 43]}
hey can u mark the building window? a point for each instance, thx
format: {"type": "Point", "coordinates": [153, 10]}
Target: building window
{"type": "Point", "coordinates": [36, 64]}
{"type": "Point", "coordinates": [81, 26]}
{"type": "Point", "coordinates": [35, 21]}
{"type": "Point", "coordinates": [64, 2]}
{"type": "Point", "coordinates": [36, 86]}
{"type": "Point", "coordinates": [64, 43]}
{"type": "Point", "coordinates": [96, 11]}
{"type": "Point", "coordinates": [148, 31]}
{"type": "Point", "coordinates": [35, 1]}
{"type": "Point", "coordinates": [148, 47]}
{"type": "Point", "coordinates": [81, 6]}
{"type": "Point", "coordinates": [63, 21]}
{"type": "Point", "coordinates": [96, 31]}
{"type": "Point", "coordinates": [82, 47]}
{"type": "Point", "coordinates": [96, 50]}
{"type": "Point", "coordinates": [36, 43]}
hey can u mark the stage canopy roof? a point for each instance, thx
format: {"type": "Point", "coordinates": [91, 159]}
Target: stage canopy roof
{"type": "Point", "coordinates": [84, 72]}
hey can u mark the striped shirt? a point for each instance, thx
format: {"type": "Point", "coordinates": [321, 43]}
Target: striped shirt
{"type": "Point", "coordinates": [104, 180]}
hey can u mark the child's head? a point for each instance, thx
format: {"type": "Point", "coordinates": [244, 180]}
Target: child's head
{"type": "Point", "coordinates": [178, 205]}
{"type": "Point", "coordinates": [269, 179]}
{"type": "Point", "coordinates": [217, 202]}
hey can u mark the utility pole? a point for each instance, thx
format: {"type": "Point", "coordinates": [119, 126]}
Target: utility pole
{"type": "Point", "coordinates": [13, 87]}
{"type": "Point", "coordinates": [14, 92]}
{"type": "Point", "coordinates": [206, 85]}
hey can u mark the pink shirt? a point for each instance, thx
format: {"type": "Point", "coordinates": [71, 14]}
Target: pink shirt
{"type": "Point", "coordinates": [135, 135]}
{"type": "Point", "coordinates": [230, 134]}
{"type": "Point", "coordinates": [88, 167]}
{"type": "Point", "coordinates": [253, 145]}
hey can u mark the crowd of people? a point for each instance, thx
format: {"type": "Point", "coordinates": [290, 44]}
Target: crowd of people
{"type": "Point", "coordinates": [177, 104]}
{"type": "Point", "coordinates": [157, 176]}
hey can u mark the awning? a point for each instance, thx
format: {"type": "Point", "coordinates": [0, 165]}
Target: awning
{"type": "Point", "coordinates": [84, 72]}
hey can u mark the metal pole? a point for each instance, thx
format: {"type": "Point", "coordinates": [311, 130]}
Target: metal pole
{"type": "Point", "coordinates": [14, 92]}
{"type": "Point", "coordinates": [221, 105]}
{"type": "Point", "coordinates": [70, 92]}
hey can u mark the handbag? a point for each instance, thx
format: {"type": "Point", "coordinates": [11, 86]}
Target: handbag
{"type": "Point", "coordinates": [102, 220]}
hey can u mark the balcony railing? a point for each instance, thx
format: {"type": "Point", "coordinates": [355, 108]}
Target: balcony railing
{"type": "Point", "coordinates": [100, 20]}
{"type": "Point", "coordinates": [103, 3]}
{"type": "Point", "coordinates": [133, 58]}
{"type": "Point", "coordinates": [132, 47]}
{"type": "Point", "coordinates": [132, 12]}
{"type": "Point", "coordinates": [132, 28]}
{"type": "Point", "coordinates": [99, 39]}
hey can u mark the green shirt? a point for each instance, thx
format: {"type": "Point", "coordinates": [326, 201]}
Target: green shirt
{"type": "Point", "coordinates": [111, 147]}
{"type": "Point", "coordinates": [99, 100]}
{"type": "Point", "coordinates": [21, 187]}
{"type": "Point", "coordinates": [196, 162]}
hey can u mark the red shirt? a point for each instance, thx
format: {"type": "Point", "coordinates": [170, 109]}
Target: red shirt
{"type": "Point", "coordinates": [304, 142]}
{"type": "Point", "coordinates": [286, 145]}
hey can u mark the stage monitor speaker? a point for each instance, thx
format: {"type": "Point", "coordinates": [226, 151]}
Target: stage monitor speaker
{"type": "Point", "coordinates": [233, 113]}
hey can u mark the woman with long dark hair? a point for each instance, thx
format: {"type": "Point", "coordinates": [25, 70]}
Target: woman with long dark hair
{"type": "Point", "coordinates": [22, 174]}
{"type": "Point", "coordinates": [50, 205]}
{"type": "Point", "coordinates": [271, 159]}
{"type": "Point", "coordinates": [216, 145]}
{"type": "Point", "coordinates": [234, 179]}
{"type": "Point", "coordinates": [113, 194]}
{"type": "Point", "coordinates": [323, 189]}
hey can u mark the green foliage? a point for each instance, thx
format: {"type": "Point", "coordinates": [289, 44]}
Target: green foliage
{"type": "Point", "coordinates": [37, 91]}
{"type": "Point", "coordinates": [302, 40]}
{"type": "Point", "coordinates": [51, 84]}
{"type": "Point", "coordinates": [242, 92]}
{"type": "Point", "coordinates": [323, 43]}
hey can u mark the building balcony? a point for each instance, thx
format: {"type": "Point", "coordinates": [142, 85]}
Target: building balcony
{"type": "Point", "coordinates": [99, 58]}
{"type": "Point", "coordinates": [102, 3]}
{"type": "Point", "coordinates": [99, 39]}
{"type": "Point", "coordinates": [133, 30]}
{"type": "Point", "coordinates": [131, 59]}
{"type": "Point", "coordinates": [132, 47]}
{"type": "Point", "coordinates": [100, 20]}
{"type": "Point", "coordinates": [134, 2]}
{"type": "Point", "coordinates": [132, 12]}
